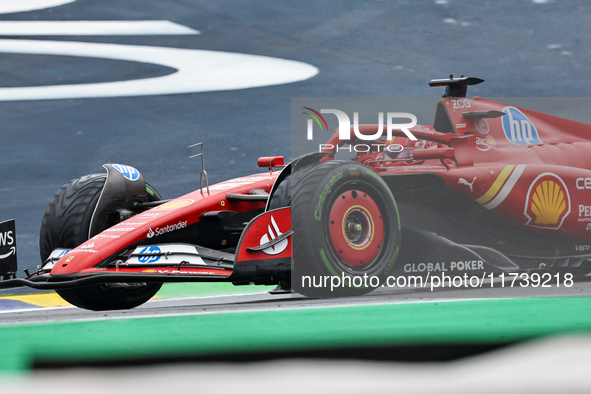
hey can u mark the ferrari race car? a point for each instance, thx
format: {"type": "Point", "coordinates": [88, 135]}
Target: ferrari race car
{"type": "Point", "coordinates": [488, 189]}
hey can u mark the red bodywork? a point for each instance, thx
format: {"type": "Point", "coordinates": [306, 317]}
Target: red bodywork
{"type": "Point", "coordinates": [537, 178]}
{"type": "Point", "coordinates": [527, 167]}
{"type": "Point", "coordinates": [187, 208]}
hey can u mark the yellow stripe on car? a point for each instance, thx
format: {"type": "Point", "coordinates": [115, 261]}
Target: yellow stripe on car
{"type": "Point", "coordinates": [496, 186]}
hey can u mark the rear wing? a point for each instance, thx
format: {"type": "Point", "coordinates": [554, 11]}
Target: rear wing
{"type": "Point", "coordinates": [455, 87]}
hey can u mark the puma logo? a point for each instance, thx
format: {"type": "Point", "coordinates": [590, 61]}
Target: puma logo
{"type": "Point", "coordinates": [462, 181]}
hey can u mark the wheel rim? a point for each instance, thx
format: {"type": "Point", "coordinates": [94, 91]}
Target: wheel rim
{"type": "Point", "coordinates": [356, 228]}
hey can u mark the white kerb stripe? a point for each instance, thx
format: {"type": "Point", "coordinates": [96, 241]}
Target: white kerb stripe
{"type": "Point", "coordinates": [198, 70]}
{"type": "Point", "coordinates": [8, 6]}
{"type": "Point", "coordinates": [92, 28]}
{"type": "Point", "coordinates": [507, 187]}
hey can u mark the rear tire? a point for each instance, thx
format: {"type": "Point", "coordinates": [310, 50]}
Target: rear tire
{"type": "Point", "coordinates": [346, 225]}
{"type": "Point", "coordinates": [66, 224]}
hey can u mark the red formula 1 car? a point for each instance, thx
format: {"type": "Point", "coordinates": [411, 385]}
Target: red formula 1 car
{"type": "Point", "coordinates": [489, 188]}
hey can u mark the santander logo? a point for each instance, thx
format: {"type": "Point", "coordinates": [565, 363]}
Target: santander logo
{"type": "Point", "coordinates": [272, 234]}
{"type": "Point", "coordinates": [167, 229]}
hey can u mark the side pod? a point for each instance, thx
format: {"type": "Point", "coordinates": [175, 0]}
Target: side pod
{"type": "Point", "coordinates": [264, 252]}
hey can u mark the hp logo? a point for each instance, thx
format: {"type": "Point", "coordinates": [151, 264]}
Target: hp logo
{"type": "Point", "coordinates": [518, 128]}
{"type": "Point", "coordinates": [128, 172]}
{"type": "Point", "coordinates": [145, 254]}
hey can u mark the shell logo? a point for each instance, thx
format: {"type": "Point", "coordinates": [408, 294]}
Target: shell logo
{"type": "Point", "coordinates": [174, 205]}
{"type": "Point", "coordinates": [548, 202]}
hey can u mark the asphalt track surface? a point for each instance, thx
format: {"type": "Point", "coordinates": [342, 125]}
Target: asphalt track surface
{"type": "Point", "coordinates": [230, 303]}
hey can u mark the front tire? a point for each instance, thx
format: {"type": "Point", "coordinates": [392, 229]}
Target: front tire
{"type": "Point", "coordinates": [66, 224]}
{"type": "Point", "coordinates": [346, 225]}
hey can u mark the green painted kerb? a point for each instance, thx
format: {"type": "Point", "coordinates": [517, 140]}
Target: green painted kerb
{"type": "Point", "coordinates": [480, 321]}
{"type": "Point", "coordinates": [204, 289]}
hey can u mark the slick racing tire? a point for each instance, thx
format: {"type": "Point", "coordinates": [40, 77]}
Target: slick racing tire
{"type": "Point", "coordinates": [346, 226]}
{"type": "Point", "coordinates": [66, 224]}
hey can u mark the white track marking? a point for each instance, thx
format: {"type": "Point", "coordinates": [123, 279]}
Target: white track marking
{"type": "Point", "coordinates": [8, 6]}
{"type": "Point", "coordinates": [270, 309]}
{"type": "Point", "coordinates": [198, 70]}
{"type": "Point", "coordinates": [35, 308]}
{"type": "Point", "coordinates": [92, 28]}
{"type": "Point", "coordinates": [160, 300]}
{"type": "Point", "coordinates": [250, 309]}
